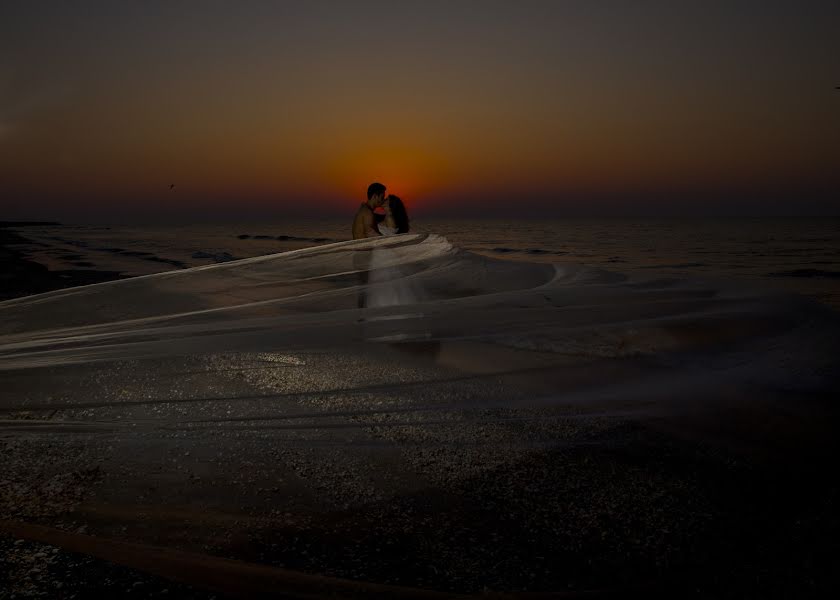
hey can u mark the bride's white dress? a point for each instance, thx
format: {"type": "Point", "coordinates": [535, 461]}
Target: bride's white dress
{"type": "Point", "coordinates": [388, 284]}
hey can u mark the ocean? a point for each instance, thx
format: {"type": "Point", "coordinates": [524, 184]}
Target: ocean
{"type": "Point", "coordinates": [795, 254]}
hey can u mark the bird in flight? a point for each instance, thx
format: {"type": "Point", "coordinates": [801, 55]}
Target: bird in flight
{"type": "Point", "coordinates": [171, 186]}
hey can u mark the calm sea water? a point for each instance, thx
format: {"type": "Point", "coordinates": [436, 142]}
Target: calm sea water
{"type": "Point", "coordinates": [796, 254]}
{"type": "Point", "coordinates": [799, 254]}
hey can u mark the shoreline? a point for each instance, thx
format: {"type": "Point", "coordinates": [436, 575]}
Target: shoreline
{"type": "Point", "coordinates": [803, 261]}
{"type": "Point", "coordinates": [21, 277]}
{"type": "Point", "coordinates": [566, 455]}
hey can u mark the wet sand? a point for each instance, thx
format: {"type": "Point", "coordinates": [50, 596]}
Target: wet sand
{"type": "Point", "coordinates": [491, 500]}
{"type": "Point", "coordinates": [645, 462]}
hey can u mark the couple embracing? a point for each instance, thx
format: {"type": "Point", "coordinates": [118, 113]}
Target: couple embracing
{"type": "Point", "coordinates": [369, 223]}
{"type": "Point", "coordinates": [381, 281]}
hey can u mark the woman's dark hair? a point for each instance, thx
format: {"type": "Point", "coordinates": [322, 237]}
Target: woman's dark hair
{"type": "Point", "coordinates": [399, 214]}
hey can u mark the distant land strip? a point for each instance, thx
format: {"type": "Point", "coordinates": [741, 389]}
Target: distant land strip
{"type": "Point", "coordinates": [27, 223]}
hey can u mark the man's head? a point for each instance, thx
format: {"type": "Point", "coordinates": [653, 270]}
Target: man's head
{"type": "Point", "coordinates": [376, 195]}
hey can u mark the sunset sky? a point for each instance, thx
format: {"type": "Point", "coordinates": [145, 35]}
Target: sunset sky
{"type": "Point", "coordinates": [461, 107]}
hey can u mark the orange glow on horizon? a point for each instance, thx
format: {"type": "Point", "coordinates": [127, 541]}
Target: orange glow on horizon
{"type": "Point", "coordinates": [273, 122]}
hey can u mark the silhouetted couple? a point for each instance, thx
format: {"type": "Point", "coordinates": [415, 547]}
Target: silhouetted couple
{"type": "Point", "coordinates": [369, 223]}
{"type": "Point", "coordinates": [386, 288]}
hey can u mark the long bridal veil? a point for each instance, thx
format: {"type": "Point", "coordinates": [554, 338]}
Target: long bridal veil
{"type": "Point", "coordinates": [257, 395]}
{"type": "Point", "coordinates": [487, 315]}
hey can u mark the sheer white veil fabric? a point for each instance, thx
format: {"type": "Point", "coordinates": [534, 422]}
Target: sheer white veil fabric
{"type": "Point", "coordinates": [390, 284]}
{"type": "Point", "coordinates": [265, 373]}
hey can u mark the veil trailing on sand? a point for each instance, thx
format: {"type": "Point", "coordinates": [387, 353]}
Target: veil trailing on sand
{"type": "Point", "coordinates": [307, 300]}
{"type": "Point", "coordinates": [299, 299]}
{"type": "Point", "coordinates": [188, 393]}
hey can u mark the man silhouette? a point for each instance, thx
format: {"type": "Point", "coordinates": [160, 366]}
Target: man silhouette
{"type": "Point", "coordinates": [364, 224]}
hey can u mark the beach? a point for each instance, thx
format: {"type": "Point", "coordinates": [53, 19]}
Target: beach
{"type": "Point", "coordinates": [419, 300]}
{"type": "Point", "coordinates": [800, 255]}
{"type": "Point", "coordinates": [22, 277]}
{"type": "Point", "coordinates": [521, 427]}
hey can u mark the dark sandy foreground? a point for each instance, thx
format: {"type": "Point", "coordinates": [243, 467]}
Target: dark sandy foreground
{"type": "Point", "coordinates": [597, 441]}
{"type": "Point", "coordinates": [625, 506]}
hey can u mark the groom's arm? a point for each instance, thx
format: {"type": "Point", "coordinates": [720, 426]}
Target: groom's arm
{"type": "Point", "coordinates": [370, 228]}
